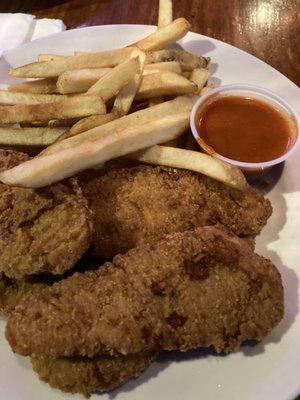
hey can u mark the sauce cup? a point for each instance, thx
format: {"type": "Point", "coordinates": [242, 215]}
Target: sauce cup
{"type": "Point", "coordinates": [251, 170]}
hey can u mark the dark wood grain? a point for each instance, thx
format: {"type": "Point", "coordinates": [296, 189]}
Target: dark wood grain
{"type": "Point", "coordinates": [268, 29]}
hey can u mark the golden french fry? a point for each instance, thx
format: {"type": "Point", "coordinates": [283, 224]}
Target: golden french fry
{"type": "Point", "coordinates": [165, 13]}
{"type": "Point", "coordinates": [90, 122]}
{"type": "Point", "coordinates": [49, 57]}
{"type": "Point", "coordinates": [165, 36]}
{"type": "Point", "coordinates": [164, 83]}
{"type": "Point", "coordinates": [200, 76]}
{"type": "Point", "coordinates": [187, 60]}
{"type": "Point", "coordinates": [41, 86]}
{"type": "Point", "coordinates": [32, 137]}
{"type": "Point", "coordinates": [79, 80]}
{"type": "Point", "coordinates": [81, 52]}
{"type": "Point", "coordinates": [79, 106]}
{"type": "Point", "coordinates": [168, 108]}
{"type": "Point", "coordinates": [47, 169]}
{"type": "Point", "coordinates": [11, 98]}
{"type": "Point", "coordinates": [48, 69]}
{"type": "Point", "coordinates": [126, 95]}
{"type": "Point", "coordinates": [111, 83]}
{"type": "Point", "coordinates": [172, 66]}
{"type": "Point", "coordinates": [205, 90]}
{"type": "Point", "coordinates": [193, 161]}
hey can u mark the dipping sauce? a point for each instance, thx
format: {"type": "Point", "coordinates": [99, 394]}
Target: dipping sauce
{"type": "Point", "coordinates": [243, 129]}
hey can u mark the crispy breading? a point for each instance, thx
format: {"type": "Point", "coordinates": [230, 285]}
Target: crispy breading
{"type": "Point", "coordinates": [12, 291]}
{"type": "Point", "coordinates": [41, 230]}
{"type": "Point", "coordinates": [86, 375]}
{"type": "Point", "coordinates": [76, 375]}
{"type": "Point", "coordinates": [193, 289]}
{"type": "Point", "coordinates": [133, 206]}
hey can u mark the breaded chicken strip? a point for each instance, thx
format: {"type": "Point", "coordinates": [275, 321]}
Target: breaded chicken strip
{"type": "Point", "coordinates": [193, 289]}
{"type": "Point", "coordinates": [86, 375]}
{"type": "Point", "coordinates": [13, 291]}
{"type": "Point", "coordinates": [137, 205]}
{"type": "Point", "coordinates": [76, 375]}
{"type": "Point", "coordinates": [42, 230]}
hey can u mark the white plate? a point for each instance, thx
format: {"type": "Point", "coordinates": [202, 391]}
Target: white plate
{"type": "Point", "coordinates": [267, 371]}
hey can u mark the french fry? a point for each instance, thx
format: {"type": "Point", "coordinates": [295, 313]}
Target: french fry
{"type": "Point", "coordinates": [187, 60]}
{"type": "Point", "coordinates": [200, 76]}
{"type": "Point", "coordinates": [205, 90]}
{"type": "Point", "coordinates": [79, 80]}
{"type": "Point", "coordinates": [90, 122]}
{"type": "Point", "coordinates": [168, 108]}
{"type": "Point", "coordinates": [49, 57]}
{"type": "Point", "coordinates": [172, 66]}
{"type": "Point", "coordinates": [48, 69]}
{"type": "Point", "coordinates": [165, 36]}
{"type": "Point", "coordinates": [186, 74]}
{"type": "Point", "coordinates": [11, 98]}
{"type": "Point", "coordinates": [164, 83]}
{"type": "Point", "coordinates": [31, 137]}
{"type": "Point", "coordinates": [79, 106]}
{"type": "Point", "coordinates": [165, 13]}
{"type": "Point", "coordinates": [126, 95]}
{"type": "Point", "coordinates": [47, 169]}
{"type": "Point", "coordinates": [193, 161]}
{"type": "Point", "coordinates": [111, 83]}
{"type": "Point", "coordinates": [41, 86]}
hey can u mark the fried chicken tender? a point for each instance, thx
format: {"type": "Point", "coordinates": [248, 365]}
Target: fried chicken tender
{"type": "Point", "coordinates": [193, 289]}
{"type": "Point", "coordinates": [41, 230]}
{"type": "Point", "coordinates": [86, 375]}
{"type": "Point", "coordinates": [13, 291]}
{"type": "Point", "coordinates": [76, 375]}
{"type": "Point", "coordinates": [137, 205]}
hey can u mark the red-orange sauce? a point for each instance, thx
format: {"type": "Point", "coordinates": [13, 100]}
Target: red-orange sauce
{"type": "Point", "coordinates": [243, 129]}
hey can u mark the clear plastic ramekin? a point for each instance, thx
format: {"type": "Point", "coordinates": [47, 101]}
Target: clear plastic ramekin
{"type": "Point", "coordinates": [255, 92]}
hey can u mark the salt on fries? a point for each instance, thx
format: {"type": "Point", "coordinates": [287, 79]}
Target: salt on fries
{"type": "Point", "coordinates": [48, 168]}
{"type": "Point", "coordinates": [72, 91]}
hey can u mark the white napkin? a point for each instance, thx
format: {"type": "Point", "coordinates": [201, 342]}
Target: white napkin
{"type": "Point", "coordinates": [16, 29]}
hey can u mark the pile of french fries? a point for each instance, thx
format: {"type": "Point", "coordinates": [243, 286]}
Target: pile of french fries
{"type": "Point", "coordinates": [79, 109]}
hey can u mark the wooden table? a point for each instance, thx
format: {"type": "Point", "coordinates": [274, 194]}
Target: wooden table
{"type": "Point", "coordinates": [268, 29]}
